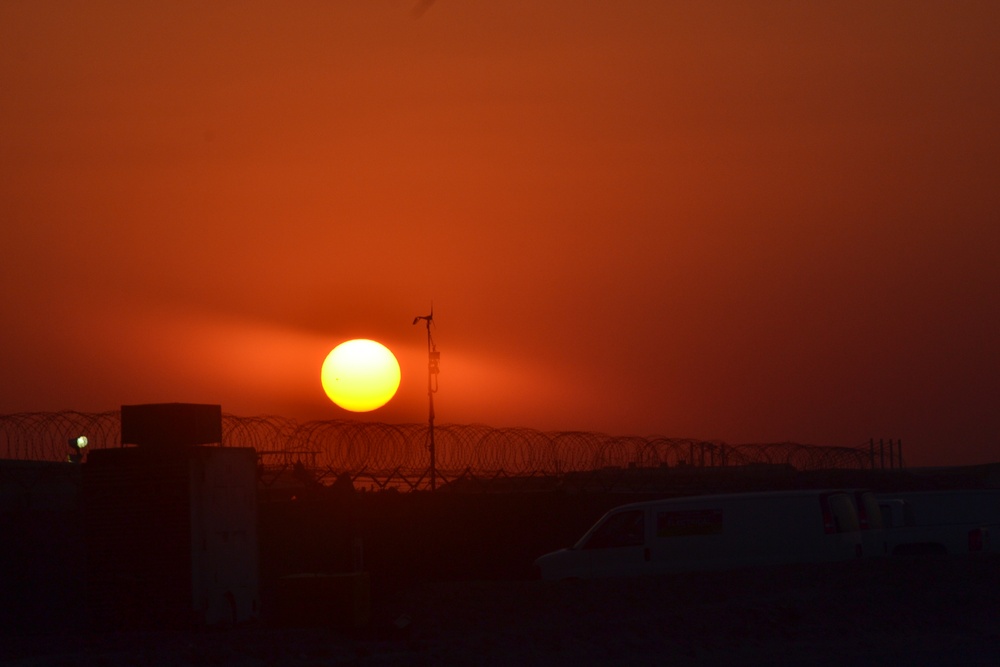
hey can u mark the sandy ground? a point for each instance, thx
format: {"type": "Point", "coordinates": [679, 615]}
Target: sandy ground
{"type": "Point", "coordinates": [913, 612]}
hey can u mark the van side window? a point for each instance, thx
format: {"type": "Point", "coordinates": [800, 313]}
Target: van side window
{"type": "Point", "coordinates": [622, 529]}
{"type": "Point", "coordinates": [688, 523]}
{"type": "Point", "coordinates": [845, 515]}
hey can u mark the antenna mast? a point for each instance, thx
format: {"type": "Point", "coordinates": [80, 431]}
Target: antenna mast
{"type": "Point", "coordinates": [433, 357]}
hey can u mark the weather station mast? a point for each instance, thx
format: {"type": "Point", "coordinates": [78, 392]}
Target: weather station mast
{"type": "Point", "coordinates": [433, 357]}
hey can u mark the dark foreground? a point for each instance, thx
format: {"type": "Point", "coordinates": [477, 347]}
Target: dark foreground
{"type": "Point", "coordinates": [913, 612]}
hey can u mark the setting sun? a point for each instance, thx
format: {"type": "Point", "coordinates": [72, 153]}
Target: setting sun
{"type": "Point", "coordinates": [360, 375]}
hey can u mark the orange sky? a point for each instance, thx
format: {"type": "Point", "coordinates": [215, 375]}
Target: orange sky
{"type": "Point", "coordinates": [749, 222]}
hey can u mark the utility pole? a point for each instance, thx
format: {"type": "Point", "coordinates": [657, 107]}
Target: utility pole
{"type": "Point", "coordinates": [433, 357]}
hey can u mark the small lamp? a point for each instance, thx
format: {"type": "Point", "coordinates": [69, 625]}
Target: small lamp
{"type": "Point", "coordinates": [77, 444]}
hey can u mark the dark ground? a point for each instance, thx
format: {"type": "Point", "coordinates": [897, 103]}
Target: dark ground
{"type": "Point", "coordinates": [449, 585]}
{"type": "Point", "coordinates": [911, 611]}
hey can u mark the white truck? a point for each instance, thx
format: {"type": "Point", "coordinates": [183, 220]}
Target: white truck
{"type": "Point", "coordinates": [712, 532]}
{"type": "Point", "coordinates": [952, 522]}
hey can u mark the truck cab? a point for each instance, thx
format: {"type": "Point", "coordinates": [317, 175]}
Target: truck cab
{"type": "Point", "coordinates": [951, 522]}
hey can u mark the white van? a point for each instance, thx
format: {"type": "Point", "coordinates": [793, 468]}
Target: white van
{"type": "Point", "coordinates": [712, 532]}
{"type": "Point", "coordinates": [873, 533]}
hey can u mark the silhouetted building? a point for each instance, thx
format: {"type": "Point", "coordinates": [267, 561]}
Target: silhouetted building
{"type": "Point", "coordinates": [171, 526]}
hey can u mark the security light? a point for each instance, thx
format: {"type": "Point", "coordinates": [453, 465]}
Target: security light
{"type": "Point", "coordinates": [77, 444]}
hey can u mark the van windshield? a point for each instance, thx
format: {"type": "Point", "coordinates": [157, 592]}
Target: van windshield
{"type": "Point", "coordinates": [622, 529]}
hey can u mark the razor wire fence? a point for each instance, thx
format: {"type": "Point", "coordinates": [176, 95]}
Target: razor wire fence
{"type": "Point", "coordinates": [379, 451]}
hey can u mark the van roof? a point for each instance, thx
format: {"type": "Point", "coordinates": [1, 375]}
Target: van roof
{"type": "Point", "coordinates": [726, 497]}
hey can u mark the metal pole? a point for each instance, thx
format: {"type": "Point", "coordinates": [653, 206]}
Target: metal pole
{"type": "Point", "coordinates": [430, 418]}
{"type": "Point", "coordinates": [433, 357]}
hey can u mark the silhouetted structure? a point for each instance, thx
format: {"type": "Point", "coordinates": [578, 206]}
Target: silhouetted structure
{"type": "Point", "coordinates": [433, 360]}
{"type": "Point", "coordinates": [171, 526]}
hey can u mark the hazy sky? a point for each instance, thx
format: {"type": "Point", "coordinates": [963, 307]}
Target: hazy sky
{"type": "Point", "coordinates": [743, 221]}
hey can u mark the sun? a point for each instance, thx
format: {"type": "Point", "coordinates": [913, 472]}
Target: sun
{"type": "Point", "coordinates": [360, 375]}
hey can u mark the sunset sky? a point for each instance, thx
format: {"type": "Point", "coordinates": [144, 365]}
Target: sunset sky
{"type": "Point", "coordinates": [739, 221]}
